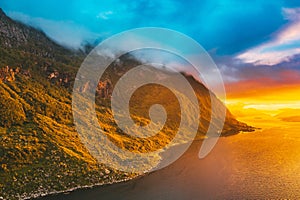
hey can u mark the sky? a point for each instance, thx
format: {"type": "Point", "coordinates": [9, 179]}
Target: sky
{"type": "Point", "coordinates": [255, 44]}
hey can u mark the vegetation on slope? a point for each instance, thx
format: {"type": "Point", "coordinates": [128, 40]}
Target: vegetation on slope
{"type": "Point", "coordinates": [40, 150]}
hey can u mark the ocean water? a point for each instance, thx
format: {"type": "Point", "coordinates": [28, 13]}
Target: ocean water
{"type": "Point", "coordinates": [264, 164]}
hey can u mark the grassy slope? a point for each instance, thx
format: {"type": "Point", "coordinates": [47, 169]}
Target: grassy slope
{"type": "Point", "coordinates": [40, 151]}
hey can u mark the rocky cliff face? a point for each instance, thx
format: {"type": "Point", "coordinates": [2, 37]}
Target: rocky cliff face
{"type": "Point", "coordinates": [30, 50]}
{"type": "Point", "coordinates": [15, 35]}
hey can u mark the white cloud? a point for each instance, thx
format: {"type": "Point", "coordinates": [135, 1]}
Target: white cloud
{"type": "Point", "coordinates": [291, 13]}
{"type": "Point", "coordinates": [66, 33]}
{"type": "Point", "coordinates": [104, 15]}
{"type": "Point", "coordinates": [282, 47]}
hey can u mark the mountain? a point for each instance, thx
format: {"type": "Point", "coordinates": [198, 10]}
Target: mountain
{"type": "Point", "coordinates": [26, 40]}
{"type": "Point", "coordinates": [40, 150]}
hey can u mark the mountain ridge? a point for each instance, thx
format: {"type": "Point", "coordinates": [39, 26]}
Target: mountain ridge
{"type": "Point", "coordinates": [40, 150]}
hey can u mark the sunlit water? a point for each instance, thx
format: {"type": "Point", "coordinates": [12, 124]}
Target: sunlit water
{"type": "Point", "coordinates": [260, 165]}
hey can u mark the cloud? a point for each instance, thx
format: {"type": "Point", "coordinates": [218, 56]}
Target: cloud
{"type": "Point", "coordinates": [261, 83]}
{"type": "Point", "coordinates": [105, 15]}
{"type": "Point", "coordinates": [264, 89]}
{"type": "Point", "coordinates": [291, 13]}
{"type": "Point", "coordinates": [66, 33]}
{"type": "Point", "coordinates": [282, 48]}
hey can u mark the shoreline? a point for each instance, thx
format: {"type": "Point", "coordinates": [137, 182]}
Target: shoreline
{"type": "Point", "coordinates": [222, 175]}
{"type": "Point", "coordinates": [62, 192]}
{"type": "Point", "coordinates": [41, 196]}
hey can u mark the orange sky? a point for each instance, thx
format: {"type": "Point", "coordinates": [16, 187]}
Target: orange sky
{"type": "Point", "coordinates": [263, 94]}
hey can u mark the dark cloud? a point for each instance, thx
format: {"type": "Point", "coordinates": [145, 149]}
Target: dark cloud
{"type": "Point", "coordinates": [234, 71]}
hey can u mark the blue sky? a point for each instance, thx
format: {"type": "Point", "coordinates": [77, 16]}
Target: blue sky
{"type": "Point", "coordinates": [228, 26]}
